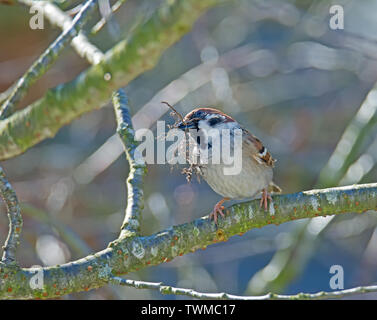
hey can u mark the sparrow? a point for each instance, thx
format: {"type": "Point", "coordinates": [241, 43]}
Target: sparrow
{"type": "Point", "coordinates": [257, 164]}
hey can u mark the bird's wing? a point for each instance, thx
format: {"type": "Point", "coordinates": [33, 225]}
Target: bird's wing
{"type": "Point", "coordinates": [258, 151]}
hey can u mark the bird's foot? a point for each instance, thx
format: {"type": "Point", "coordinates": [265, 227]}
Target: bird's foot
{"type": "Point", "coordinates": [218, 209]}
{"type": "Point", "coordinates": [264, 200]}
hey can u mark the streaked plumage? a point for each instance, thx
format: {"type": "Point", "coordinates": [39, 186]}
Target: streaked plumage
{"type": "Point", "coordinates": [257, 163]}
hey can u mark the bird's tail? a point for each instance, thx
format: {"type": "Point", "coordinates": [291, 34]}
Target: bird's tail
{"type": "Point", "coordinates": [274, 188]}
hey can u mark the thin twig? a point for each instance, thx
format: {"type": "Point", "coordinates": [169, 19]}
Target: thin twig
{"type": "Point", "coordinates": [94, 85]}
{"type": "Point", "coordinates": [163, 289]}
{"type": "Point", "coordinates": [193, 167]}
{"type": "Point", "coordinates": [15, 219]}
{"type": "Point", "coordinates": [5, 94]}
{"type": "Point", "coordinates": [196, 76]}
{"type": "Point", "coordinates": [45, 61]}
{"type": "Point", "coordinates": [138, 167]}
{"type": "Point", "coordinates": [58, 18]}
{"type": "Point", "coordinates": [100, 24]}
{"type": "Point", "coordinates": [174, 110]}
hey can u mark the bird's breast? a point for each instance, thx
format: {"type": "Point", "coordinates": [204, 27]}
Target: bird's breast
{"type": "Point", "coordinates": [252, 179]}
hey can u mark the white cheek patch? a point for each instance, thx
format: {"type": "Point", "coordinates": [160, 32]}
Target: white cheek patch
{"type": "Point", "coordinates": [208, 131]}
{"type": "Point", "coordinates": [204, 125]}
{"type": "Point", "coordinates": [217, 142]}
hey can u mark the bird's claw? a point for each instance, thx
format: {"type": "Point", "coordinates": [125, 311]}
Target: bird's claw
{"type": "Point", "coordinates": [264, 200]}
{"type": "Point", "coordinates": [218, 209]}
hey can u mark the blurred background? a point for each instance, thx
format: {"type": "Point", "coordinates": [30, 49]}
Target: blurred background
{"type": "Point", "coordinates": [279, 69]}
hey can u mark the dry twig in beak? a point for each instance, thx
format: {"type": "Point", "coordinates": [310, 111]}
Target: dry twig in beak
{"type": "Point", "coordinates": [174, 111]}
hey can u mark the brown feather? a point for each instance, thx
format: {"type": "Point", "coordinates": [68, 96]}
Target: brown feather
{"type": "Point", "coordinates": [258, 152]}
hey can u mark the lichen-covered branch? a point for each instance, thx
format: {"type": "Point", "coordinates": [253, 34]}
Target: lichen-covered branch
{"type": "Point", "coordinates": [166, 290]}
{"type": "Point", "coordinates": [44, 62]}
{"type": "Point", "coordinates": [15, 220]}
{"type": "Point", "coordinates": [138, 168]}
{"type": "Point", "coordinates": [58, 18]}
{"type": "Point", "coordinates": [92, 88]}
{"type": "Point", "coordinates": [5, 94]}
{"type": "Point", "coordinates": [128, 254]}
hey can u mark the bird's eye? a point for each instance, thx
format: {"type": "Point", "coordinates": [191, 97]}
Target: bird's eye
{"type": "Point", "coordinates": [214, 121]}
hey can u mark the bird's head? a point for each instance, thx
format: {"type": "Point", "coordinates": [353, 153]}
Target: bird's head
{"type": "Point", "coordinates": [205, 118]}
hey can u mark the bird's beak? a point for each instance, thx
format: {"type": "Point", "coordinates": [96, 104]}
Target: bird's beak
{"type": "Point", "coordinates": [186, 125]}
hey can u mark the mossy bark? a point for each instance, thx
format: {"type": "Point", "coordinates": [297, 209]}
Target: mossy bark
{"type": "Point", "coordinates": [133, 253]}
{"type": "Point", "coordinates": [93, 87]}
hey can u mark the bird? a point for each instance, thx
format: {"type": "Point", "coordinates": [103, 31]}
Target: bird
{"type": "Point", "coordinates": [256, 174]}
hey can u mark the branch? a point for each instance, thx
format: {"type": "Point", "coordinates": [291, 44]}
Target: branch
{"type": "Point", "coordinates": [45, 61]}
{"type": "Point", "coordinates": [99, 25]}
{"type": "Point", "coordinates": [58, 18]}
{"type": "Point", "coordinates": [80, 43]}
{"type": "Point", "coordinates": [291, 260]}
{"type": "Point", "coordinates": [15, 220]}
{"type": "Point", "coordinates": [166, 290]}
{"type": "Point", "coordinates": [128, 254]}
{"type": "Point", "coordinates": [138, 168]}
{"type": "Point", "coordinates": [91, 89]}
{"type": "Point", "coordinates": [5, 94]}
{"type": "Point", "coordinates": [194, 78]}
